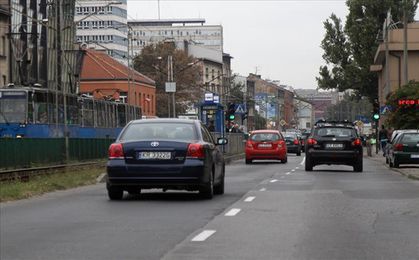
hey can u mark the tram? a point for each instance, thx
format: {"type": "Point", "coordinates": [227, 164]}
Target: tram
{"type": "Point", "coordinates": [39, 113]}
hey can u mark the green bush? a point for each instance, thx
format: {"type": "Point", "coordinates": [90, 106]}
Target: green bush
{"type": "Point", "coordinates": [404, 116]}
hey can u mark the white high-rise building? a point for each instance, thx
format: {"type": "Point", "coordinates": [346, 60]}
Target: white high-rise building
{"type": "Point", "coordinates": [194, 31]}
{"type": "Point", "coordinates": [102, 25]}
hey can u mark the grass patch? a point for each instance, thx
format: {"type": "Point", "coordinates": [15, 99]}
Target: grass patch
{"type": "Point", "coordinates": [15, 190]}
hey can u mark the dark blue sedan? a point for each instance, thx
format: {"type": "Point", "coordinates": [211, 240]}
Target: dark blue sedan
{"type": "Point", "coordinates": [167, 154]}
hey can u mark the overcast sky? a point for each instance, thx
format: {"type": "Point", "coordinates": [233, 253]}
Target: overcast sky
{"type": "Point", "coordinates": [279, 38]}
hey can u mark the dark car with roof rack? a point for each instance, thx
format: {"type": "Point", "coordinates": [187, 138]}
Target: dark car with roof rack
{"type": "Point", "coordinates": [334, 142]}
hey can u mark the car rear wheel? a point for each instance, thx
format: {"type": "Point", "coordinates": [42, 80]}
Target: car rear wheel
{"type": "Point", "coordinates": [358, 167]}
{"type": "Point", "coordinates": [248, 161]}
{"type": "Point", "coordinates": [285, 160]}
{"type": "Point", "coordinates": [396, 163]}
{"type": "Point", "coordinates": [298, 153]}
{"type": "Point", "coordinates": [309, 164]}
{"type": "Point", "coordinates": [115, 193]}
{"type": "Point", "coordinates": [207, 192]}
{"type": "Point", "coordinates": [219, 189]}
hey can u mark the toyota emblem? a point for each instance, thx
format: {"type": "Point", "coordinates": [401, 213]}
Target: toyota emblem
{"type": "Point", "coordinates": [154, 144]}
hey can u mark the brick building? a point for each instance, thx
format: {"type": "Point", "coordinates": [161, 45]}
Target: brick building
{"type": "Point", "coordinates": [105, 78]}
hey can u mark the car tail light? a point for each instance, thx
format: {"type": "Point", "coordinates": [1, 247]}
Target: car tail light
{"type": "Point", "coordinates": [195, 151]}
{"type": "Point", "coordinates": [281, 144]}
{"type": "Point", "coordinates": [311, 141]}
{"type": "Point", "coordinates": [398, 147]}
{"type": "Point", "coordinates": [116, 151]}
{"type": "Point", "coordinates": [296, 141]}
{"type": "Point", "coordinates": [249, 145]}
{"type": "Point", "coordinates": [357, 142]}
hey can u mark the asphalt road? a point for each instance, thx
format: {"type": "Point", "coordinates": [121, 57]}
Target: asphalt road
{"type": "Point", "coordinates": [269, 211]}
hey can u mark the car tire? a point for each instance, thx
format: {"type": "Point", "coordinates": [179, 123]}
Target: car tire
{"type": "Point", "coordinates": [386, 160]}
{"type": "Point", "coordinates": [115, 193]}
{"type": "Point", "coordinates": [219, 189]}
{"type": "Point", "coordinates": [298, 153]}
{"type": "Point", "coordinates": [285, 160]}
{"type": "Point", "coordinates": [248, 161]}
{"type": "Point", "coordinates": [207, 191]}
{"type": "Point", "coordinates": [309, 164]}
{"type": "Point", "coordinates": [358, 167]}
{"type": "Point", "coordinates": [396, 163]}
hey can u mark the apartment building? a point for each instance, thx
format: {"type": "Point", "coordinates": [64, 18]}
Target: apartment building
{"type": "Point", "coordinates": [193, 31]}
{"type": "Point", "coordinates": [102, 25]}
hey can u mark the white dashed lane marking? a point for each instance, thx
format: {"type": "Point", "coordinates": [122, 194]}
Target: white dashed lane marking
{"type": "Point", "coordinates": [288, 173]}
{"type": "Point", "coordinates": [263, 189]}
{"type": "Point", "coordinates": [232, 212]}
{"type": "Point", "coordinates": [293, 170]}
{"type": "Point", "coordinates": [203, 235]}
{"type": "Point", "coordinates": [249, 199]}
{"type": "Point", "coordinates": [274, 180]}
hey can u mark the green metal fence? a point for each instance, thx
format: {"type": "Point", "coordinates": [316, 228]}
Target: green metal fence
{"type": "Point", "coordinates": [30, 152]}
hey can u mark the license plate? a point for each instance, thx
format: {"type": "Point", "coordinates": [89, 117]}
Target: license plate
{"type": "Point", "coordinates": [334, 146]}
{"type": "Point", "coordinates": [288, 142]}
{"type": "Point", "coordinates": [154, 155]}
{"type": "Point", "coordinates": [265, 145]}
{"type": "Point", "coordinates": [414, 156]}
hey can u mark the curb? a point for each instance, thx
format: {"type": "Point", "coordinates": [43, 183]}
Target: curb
{"type": "Point", "coordinates": [228, 159]}
{"type": "Point", "coordinates": [408, 175]}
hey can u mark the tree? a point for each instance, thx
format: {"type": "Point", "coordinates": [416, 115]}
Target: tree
{"type": "Point", "coordinates": [349, 50]}
{"type": "Point", "coordinates": [152, 62]}
{"type": "Point", "coordinates": [404, 116]}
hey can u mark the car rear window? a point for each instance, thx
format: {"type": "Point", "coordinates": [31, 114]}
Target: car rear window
{"type": "Point", "coordinates": [335, 132]}
{"type": "Point", "coordinates": [160, 131]}
{"type": "Point", "coordinates": [410, 138]}
{"type": "Point", "coordinates": [290, 136]}
{"type": "Point", "coordinates": [265, 137]}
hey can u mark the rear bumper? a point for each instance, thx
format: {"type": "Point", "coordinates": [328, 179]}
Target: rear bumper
{"type": "Point", "coordinates": [293, 148]}
{"type": "Point", "coordinates": [252, 154]}
{"type": "Point", "coordinates": [191, 174]}
{"type": "Point", "coordinates": [334, 157]}
{"type": "Point", "coordinates": [406, 158]}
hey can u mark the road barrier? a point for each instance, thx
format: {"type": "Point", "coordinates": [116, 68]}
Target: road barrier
{"type": "Point", "coordinates": [33, 152]}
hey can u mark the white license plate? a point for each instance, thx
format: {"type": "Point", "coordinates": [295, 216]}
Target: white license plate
{"type": "Point", "coordinates": [154, 155]}
{"type": "Point", "coordinates": [334, 146]}
{"type": "Point", "coordinates": [414, 156]}
{"type": "Point", "coordinates": [265, 145]}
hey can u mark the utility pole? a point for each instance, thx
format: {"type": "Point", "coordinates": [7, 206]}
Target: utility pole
{"type": "Point", "coordinates": [129, 69]}
{"type": "Point", "coordinates": [170, 79]}
{"type": "Point", "coordinates": [386, 38]}
{"type": "Point", "coordinates": [405, 57]}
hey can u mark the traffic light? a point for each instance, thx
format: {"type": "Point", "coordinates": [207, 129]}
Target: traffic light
{"type": "Point", "coordinates": [230, 112]}
{"type": "Point", "coordinates": [376, 110]}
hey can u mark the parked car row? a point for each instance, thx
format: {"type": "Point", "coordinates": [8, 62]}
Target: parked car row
{"type": "Point", "coordinates": [403, 148]}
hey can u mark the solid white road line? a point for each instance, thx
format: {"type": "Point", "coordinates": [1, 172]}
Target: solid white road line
{"type": "Point", "coordinates": [304, 160]}
{"type": "Point", "coordinates": [232, 212]}
{"type": "Point", "coordinates": [203, 235]}
{"type": "Point", "coordinates": [263, 189]}
{"type": "Point", "coordinates": [249, 199]}
{"type": "Point", "coordinates": [274, 180]}
{"type": "Point", "coordinates": [288, 173]}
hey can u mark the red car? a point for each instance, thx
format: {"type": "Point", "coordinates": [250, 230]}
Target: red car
{"type": "Point", "coordinates": [266, 145]}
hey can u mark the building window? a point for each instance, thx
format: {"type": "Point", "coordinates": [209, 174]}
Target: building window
{"type": "Point", "coordinates": [213, 74]}
{"type": "Point", "coordinates": [3, 46]}
{"type": "Point", "coordinates": [206, 74]}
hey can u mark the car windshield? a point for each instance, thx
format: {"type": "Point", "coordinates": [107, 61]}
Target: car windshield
{"type": "Point", "coordinates": [159, 131]}
{"type": "Point", "coordinates": [335, 132]}
{"type": "Point", "coordinates": [265, 137]}
{"type": "Point", "coordinates": [410, 138]}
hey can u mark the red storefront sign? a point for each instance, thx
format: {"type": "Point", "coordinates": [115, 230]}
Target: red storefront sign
{"type": "Point", "coordinates": [408, 102]}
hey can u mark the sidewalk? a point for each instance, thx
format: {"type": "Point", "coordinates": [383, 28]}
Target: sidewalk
{"type": "Point", "coordinates": [410, 171]}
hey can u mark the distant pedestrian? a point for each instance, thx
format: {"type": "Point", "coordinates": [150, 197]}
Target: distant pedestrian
{"type": "Point", "coordinates": [383, 138]}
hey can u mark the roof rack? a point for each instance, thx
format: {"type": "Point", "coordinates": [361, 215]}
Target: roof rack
{"type": "Point", "coordinates": [344, 123]}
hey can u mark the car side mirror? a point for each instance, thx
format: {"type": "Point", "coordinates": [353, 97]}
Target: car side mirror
{"type": "Point", "coordinates": [222, 141]}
